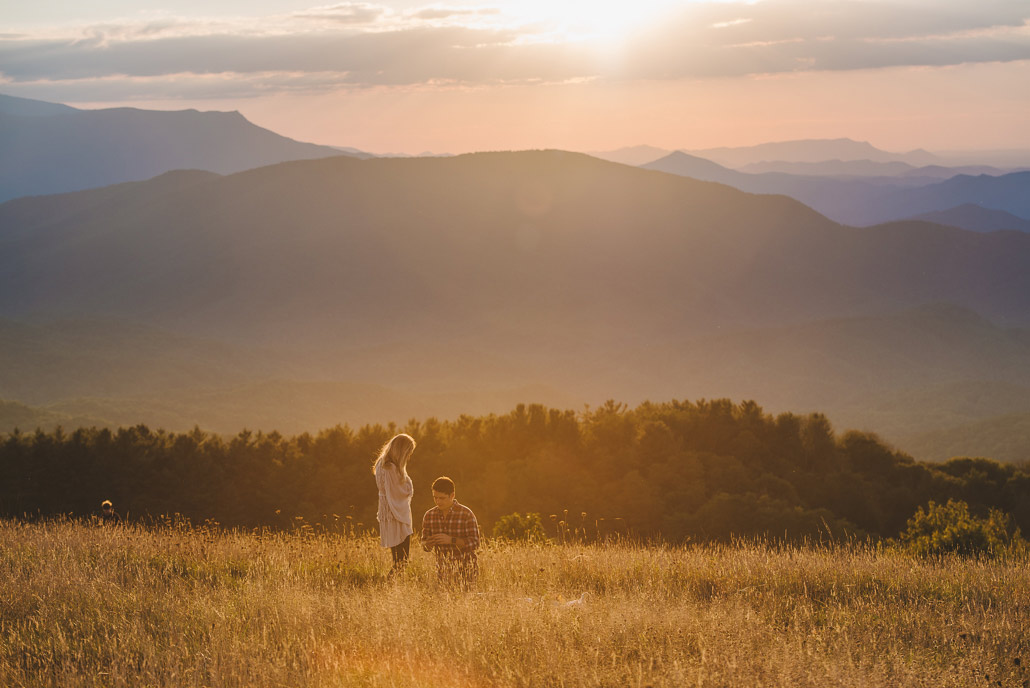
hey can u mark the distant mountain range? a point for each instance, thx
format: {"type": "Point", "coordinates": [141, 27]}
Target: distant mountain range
{"type": "Point", "coordinates": [297, 241]}
{"type": "Point", "coordinates": [1009, 193]}
{"type": "Point", "coordinates": [47, 148]}
{"type": "Point", "coordinates": [780, 153]}
{"type": "Point", "coordinates": [976, 218]}
{"type": "Point", "coordinates": [867, 200]}
{"type": "Point", "coordinates": [852, 169]}
{"type": "Point", "coordinates": [25, 107]}
{"type": "Point", "coordinates": [835, 157]}
{"type": "Point", "coordinates": [342, 288]}
{"type": "Point", "coordinates": [812, 151]}
{"type": "Point", "coordinates": [200, 270]}
{"type": "Point", "coordinates": [632, 155]}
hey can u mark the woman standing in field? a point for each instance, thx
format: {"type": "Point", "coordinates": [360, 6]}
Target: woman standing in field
{"type": "Point", "coordinates": [395, 490]}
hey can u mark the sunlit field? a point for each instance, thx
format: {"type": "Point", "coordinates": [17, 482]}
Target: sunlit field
{"type": "Point", "coordinates": [178, 606]}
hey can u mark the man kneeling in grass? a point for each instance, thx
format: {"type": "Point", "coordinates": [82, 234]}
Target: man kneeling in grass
{"type": "Point", "coordinates": [450, 530]}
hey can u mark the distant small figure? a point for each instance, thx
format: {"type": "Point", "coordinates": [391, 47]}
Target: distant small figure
{"type": "Point", "coordinates": [395, 491]}
{"type": "Point", "coordinates": [108, 516]}
{"type": "Point", "coordinates": [451, 530]}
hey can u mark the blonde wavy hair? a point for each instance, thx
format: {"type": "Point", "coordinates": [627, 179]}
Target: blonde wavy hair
{"type": "Point", "coordinates": [396, 452]}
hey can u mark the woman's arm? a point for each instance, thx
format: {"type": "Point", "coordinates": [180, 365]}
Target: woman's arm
{"type": "Point", "coordinates": [398, 495]}
{"type": "Point", "coordinates": [427, 532]}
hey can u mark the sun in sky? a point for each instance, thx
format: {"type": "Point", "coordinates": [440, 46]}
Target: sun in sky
{"type": "Point", "coordinates": [589, 20]}
{"type": "Point", "coordinates": [423, 75]}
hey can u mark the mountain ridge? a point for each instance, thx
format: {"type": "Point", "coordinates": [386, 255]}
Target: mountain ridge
{"type": "Point", "coordinates": [508, 270]}
{"type": "Point", "coordinates": [26, 107]}
{"type": "Point", "coordinates": [975, 218]}
{"type": "Point", "coordinates": [539, 204]}
{"type": "Point", "coordinates": [865, 201]}
{"type": "Point", "coordinates": [45, 151]}
{"type": "Point", "coordinates": [812, 151]}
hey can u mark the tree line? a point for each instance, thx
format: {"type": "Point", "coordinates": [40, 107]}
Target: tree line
{"type": "Point", "coordinates": [710, 469]}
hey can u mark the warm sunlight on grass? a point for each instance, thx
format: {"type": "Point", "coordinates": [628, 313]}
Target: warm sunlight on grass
{"type": "Point", "coordinates": [86, 606]}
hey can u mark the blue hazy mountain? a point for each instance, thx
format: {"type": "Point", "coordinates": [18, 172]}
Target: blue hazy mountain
{"type": "Point", "coordinates": [976, 218]}
{"type": "Point", "coordinates": [863, 201]}
{"type": "Point", "coordinates": [1009, 193]}
{"type": "Point", "coordinates": [48, 148]}
{"type": "Point", "coordinates": [786, 155]}
{"type": "Point", "coordinates": [25, 107]}
{"type": "Point", "coordinates": [812, 151]}
{"type": "Point", "coordinates": [851, 169]}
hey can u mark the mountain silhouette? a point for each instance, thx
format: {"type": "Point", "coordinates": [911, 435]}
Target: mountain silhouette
{"type": "Point", "coordinates": [849, 201]}
{"type": "Point", "coordinates": [1009, 193]}
{"type": "Point", "coordinates": [864, 201]}
{"type": "Point", "coordinates": [868, 168]}
{"type": "Point", "coordinates": [632, 155]}
{"type": "Point", "coordinates": [47, 148]}
{"type": "Point", "coordinates": [471, 275]}
{"type": "Point", "coordinates": [837, 157]}
{"type": "Point", "coordinates": [811, 151]}
{"type": "Point", "coordinates": [481, 240]}
{"type": "Point", "coordinates": [833, 168]}
{"type": "Point", "coordinates": [25, 107]}
{"type": "Point", "coordinates": [976, 218]}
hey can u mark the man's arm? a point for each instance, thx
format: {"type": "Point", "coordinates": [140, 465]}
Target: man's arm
{"type": "Point", "coordinates": [468, 538]}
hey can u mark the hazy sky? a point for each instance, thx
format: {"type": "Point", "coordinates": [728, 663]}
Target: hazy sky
{"type": "Point", "coordinates": [412, 76]}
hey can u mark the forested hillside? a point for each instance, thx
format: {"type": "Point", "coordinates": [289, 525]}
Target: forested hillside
{"type": "Point", "coordinates": [703, 470]}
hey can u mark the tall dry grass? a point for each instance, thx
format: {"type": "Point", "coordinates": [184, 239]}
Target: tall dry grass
{"type": "Point", "coordinates": [125, 606]}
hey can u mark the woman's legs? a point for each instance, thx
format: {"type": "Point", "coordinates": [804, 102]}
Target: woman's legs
{"type": "Point", "coordinates": [400, 554]}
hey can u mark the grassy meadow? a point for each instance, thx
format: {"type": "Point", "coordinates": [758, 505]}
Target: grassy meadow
{"type": "Point", "coordinates": [82, 605]}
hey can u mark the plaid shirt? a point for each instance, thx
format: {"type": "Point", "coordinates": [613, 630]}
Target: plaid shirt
{"type": "Point", "coordinates": [459, 522]}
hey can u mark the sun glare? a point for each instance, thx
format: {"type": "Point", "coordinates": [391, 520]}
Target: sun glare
{"type": "Point", "coordinates": [589, 19]}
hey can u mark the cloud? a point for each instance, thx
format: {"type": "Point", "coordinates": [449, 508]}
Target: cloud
{"type": "Point", "coordinates": [730, 22]}
{"type": "Point", "coordinates": [853, 19]}
{"type": "Point", "coordinates": [360, 45]}
{"type": "Point", "coordinates": [170, 87]}
{"type": "Point", "coordinates": [395, 57]}
{"type": "Point", "coordinates": [435, 13]}
{"type": "Point", "coordinates": [737, 38]}
{"type": "Point", "coordinates": [351, 13]}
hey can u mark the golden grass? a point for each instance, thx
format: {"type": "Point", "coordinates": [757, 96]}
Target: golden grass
{"type": "Point", "coordinates": [125, 606]}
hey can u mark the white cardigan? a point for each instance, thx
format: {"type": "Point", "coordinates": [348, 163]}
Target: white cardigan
{"type": "Point", "coordinates": [395, 490]}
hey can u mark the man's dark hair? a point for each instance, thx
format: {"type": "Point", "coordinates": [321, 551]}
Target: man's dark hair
{"type": "Point", "coordinates": [443, 484]}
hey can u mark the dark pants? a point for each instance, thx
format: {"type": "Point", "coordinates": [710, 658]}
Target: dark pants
{"type": "Point", "coordinates": [400, 554]}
